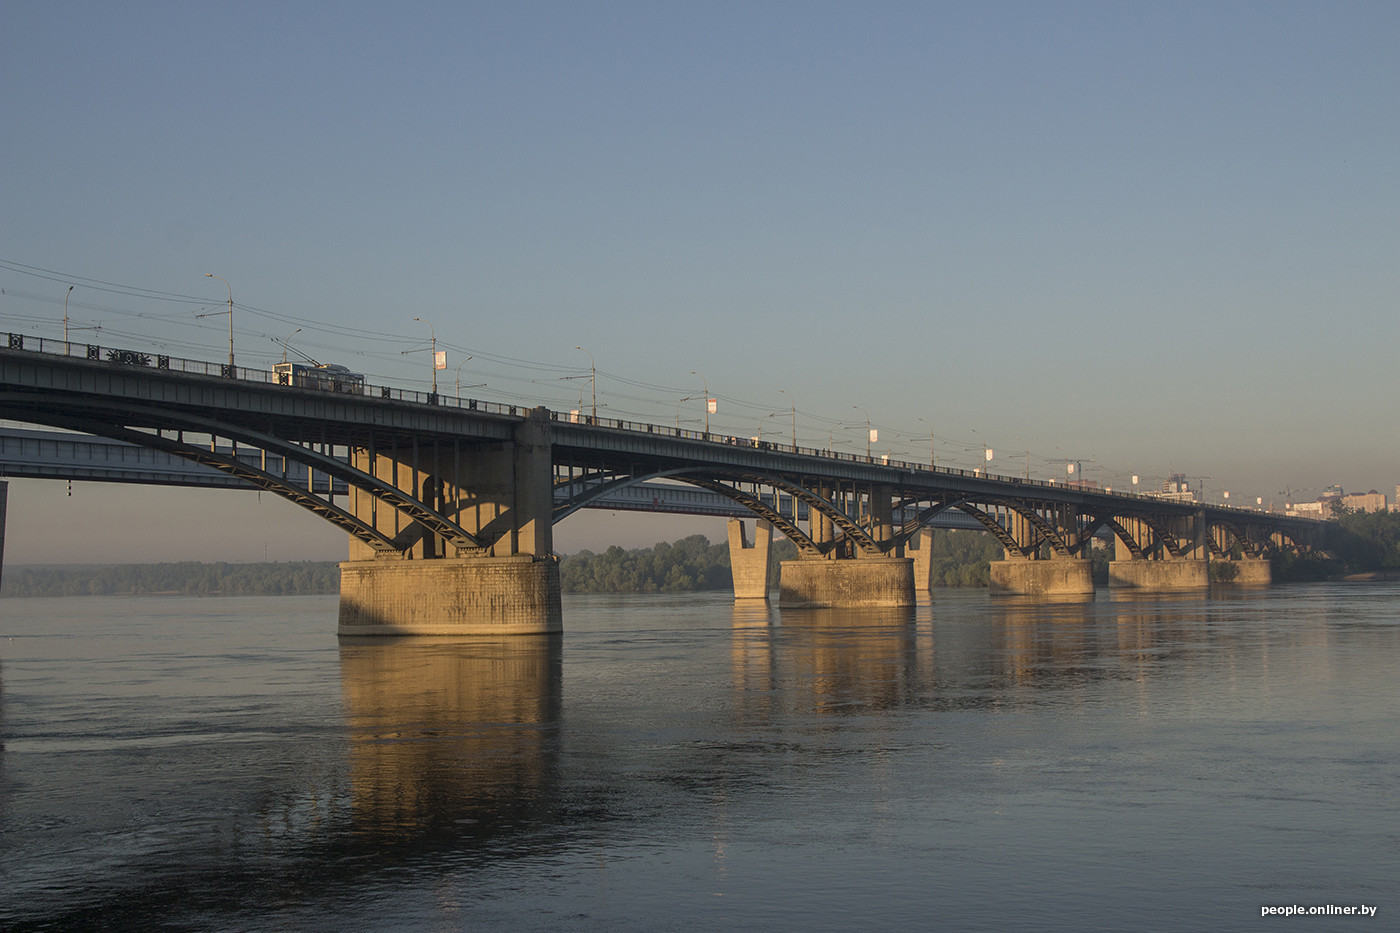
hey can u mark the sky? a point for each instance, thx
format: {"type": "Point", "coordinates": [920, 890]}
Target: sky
{"type": "Point", "coordinates": [1142, 237]}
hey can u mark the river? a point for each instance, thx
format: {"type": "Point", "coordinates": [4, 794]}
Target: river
{"type": "Point", "coordinates": [685, 762]}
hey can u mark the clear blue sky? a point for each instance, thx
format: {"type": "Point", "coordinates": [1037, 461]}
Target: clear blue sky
{"type": "Point", "coordinates": [1149, 237]}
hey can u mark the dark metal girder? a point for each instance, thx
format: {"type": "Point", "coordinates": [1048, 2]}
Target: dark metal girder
{"type": "Point", "coordinates": [250, 474]}
{"type": "Point", "coordinates": [116, 410]}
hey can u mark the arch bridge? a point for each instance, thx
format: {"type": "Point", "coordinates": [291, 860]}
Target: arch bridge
{"type": "Point", "coordinates": [449, 503]}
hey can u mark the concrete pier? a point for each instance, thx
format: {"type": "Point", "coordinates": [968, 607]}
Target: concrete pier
{"type": "Point", "coordinates": [923, 561]}
{"type": "Point", "coordinates": [1159, 575]}
{"type": "Point", "coordinates": [748, 563]}
{"type": "Point", "coordinates": [1057, 577]}
{"type": "Point", "coordinates": [868, 582]}
{"type": "Point", "coordinates": [1252, 571]}
{"type": "Point", "coordinates": [474, 596]}
{"type": "Point", "coordinates": [500, 493]}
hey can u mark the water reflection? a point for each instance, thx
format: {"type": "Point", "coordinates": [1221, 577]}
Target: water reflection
{"type": "Point", "coordinates": [820, 766]}
{"type": "Point", "coordinates": [450, 736]}
{"type": "Point", "coordinates": [992, 654]}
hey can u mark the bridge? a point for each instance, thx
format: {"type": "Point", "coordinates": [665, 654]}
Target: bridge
{"type": "Point", "coordinates": [450, 503]}
{"type": "Point", "coordinates": [27, 454]}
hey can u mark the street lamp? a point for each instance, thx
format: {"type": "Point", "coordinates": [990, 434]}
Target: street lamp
{"type": "Point", "coordinates": [758, 438]}
{"type": "Point", "coordinates": [432, 350]}
{"type": "Point", "coordinates": [986, 451]}
{"type": "Point", "coordinates": [706, 384]}
{"type": "Point", "coordinates": [830, 435]}
{"type": "Point", "coordinates": [284, 343]}
{"type": "Point", "coordinates": [476, 385]}
{"type": "Point", "coordinates": [65, 320]}
{"type": "Point", "coordinates": [794, 418]}
{"type": "Point", "coordinates": [868, 438]}
{"type": "Point", "coordinates": [230, 317]}
{"type": "Point", "coordinates": [592, 382]}
{"type": "Point", "coordinates": [679, 403]}
{"type": "Point", "coordinates": [932, 448]}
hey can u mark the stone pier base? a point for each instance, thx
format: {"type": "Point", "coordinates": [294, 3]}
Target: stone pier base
{"type": "Point", "coordinates": [923, 561]}
{"type": "Point", "coordinates": [1063, 577]}
{"type": "Point", "coordinates": [748, 563]}
{"type": "Point", "coordinates": [476, 596]}
{"type": "Point", "coordinates": [1159, 574]}
{"type": "Point", "coordinates": [1252, 572]}
{"type": "Point", "coordinates": [867, 582]}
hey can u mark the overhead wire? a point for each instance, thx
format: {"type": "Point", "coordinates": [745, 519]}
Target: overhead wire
{"type": "Point", "coordinates": [535, 381]}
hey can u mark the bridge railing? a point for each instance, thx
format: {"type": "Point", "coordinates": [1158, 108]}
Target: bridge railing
{"type": "Point", "coordinates": [778, 447]}
{"type": "Point", "coordinates": [126, 357]}
{"type": "Point", "coordinates": [140, 358]}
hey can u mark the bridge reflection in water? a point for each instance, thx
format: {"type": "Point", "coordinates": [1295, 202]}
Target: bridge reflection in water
{"type": "Point", "coordinates": [451, 736]}
{"type": "Point", "coordinates": [809, 763]}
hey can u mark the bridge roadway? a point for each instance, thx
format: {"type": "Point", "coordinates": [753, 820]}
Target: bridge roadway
{"type": "Point", "coordinates": [451, 501]}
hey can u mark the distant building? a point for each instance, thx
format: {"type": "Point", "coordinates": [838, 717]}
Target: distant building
{"type": "Point", "coordinates": [1175, 489]}
{"type": "Point", "coordinates": [1365, 501]}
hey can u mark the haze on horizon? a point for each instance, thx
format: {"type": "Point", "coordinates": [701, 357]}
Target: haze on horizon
{"type": "Point", "coordinates": [1145, 238]}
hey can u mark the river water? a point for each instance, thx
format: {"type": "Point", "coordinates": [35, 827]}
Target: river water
{"type": "Point", "coordinates": [683, 762]}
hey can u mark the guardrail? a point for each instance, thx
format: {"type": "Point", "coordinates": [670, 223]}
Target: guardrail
{"type": "Point", "coordinates": [126, 357]}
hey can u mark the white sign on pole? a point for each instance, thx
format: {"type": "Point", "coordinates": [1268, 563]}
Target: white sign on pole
{"type": "Point", "coordinates": [989, 455]}
{"type": "Point", "coordinates": [440, 360]}
{"type": "Point", "coordinates": [712, 404]}
{"type": "Point", "coordinates": [1069, 468]}
{"type": "Point", "coordinates": [874, 435]}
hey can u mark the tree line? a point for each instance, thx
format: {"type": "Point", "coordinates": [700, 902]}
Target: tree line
{"type": "Point", "coordinates": [960, 558]}
{"type": "Point", "coordinates": [184, 578]}
{"type": "Point", "coordinates": [1356, 543]}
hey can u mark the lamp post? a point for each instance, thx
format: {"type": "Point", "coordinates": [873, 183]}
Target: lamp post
{"type": "Point", "coordinates": [758, 438]}
{"type": "Point", "coordinates": [65, 320]}
{"type": "Point", "coordinates": [932, 447]}
{"type": "Point", "coordinates": [679, 403]}
{"type": "Point", "coordinates": [592, 382]}
{"type": "Point", "coordinates": [706, 384]}
{"type": "Point", "coordinates": [986, 451]}
{"type": "Point", "coordinates": [230, 317]}
{"type": "Point", "coordinates": [794, 417]}
{"type": "Point", "coordinates": [476, 385]}
{"type": "Point", "coordinates": [432, 350]}
{"type": "Point", "coordinates": [284, 343]}
{"type": "Point", "coordinates": [867, 429]}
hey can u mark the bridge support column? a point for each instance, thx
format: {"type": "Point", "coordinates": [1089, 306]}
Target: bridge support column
{"type": "Point", "coordinates": [867, 583]}
{"type": "Point", "coordinates": [1155, 575]}
{"type": "Point", "coordinates": [472, 596]}
{"type": "Point", "coordinates": [1055, 577]}
{"type": "Point", "coordinates": [923, 561]}
{"type": "Point", "coordinates": [820, 528]}
{"type": "Point", "coordinates": [1247, 571]}
{"type": "Point", "coordinates": [502, 494]}
{"type": "Point", "coordinates": [748, 563]}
